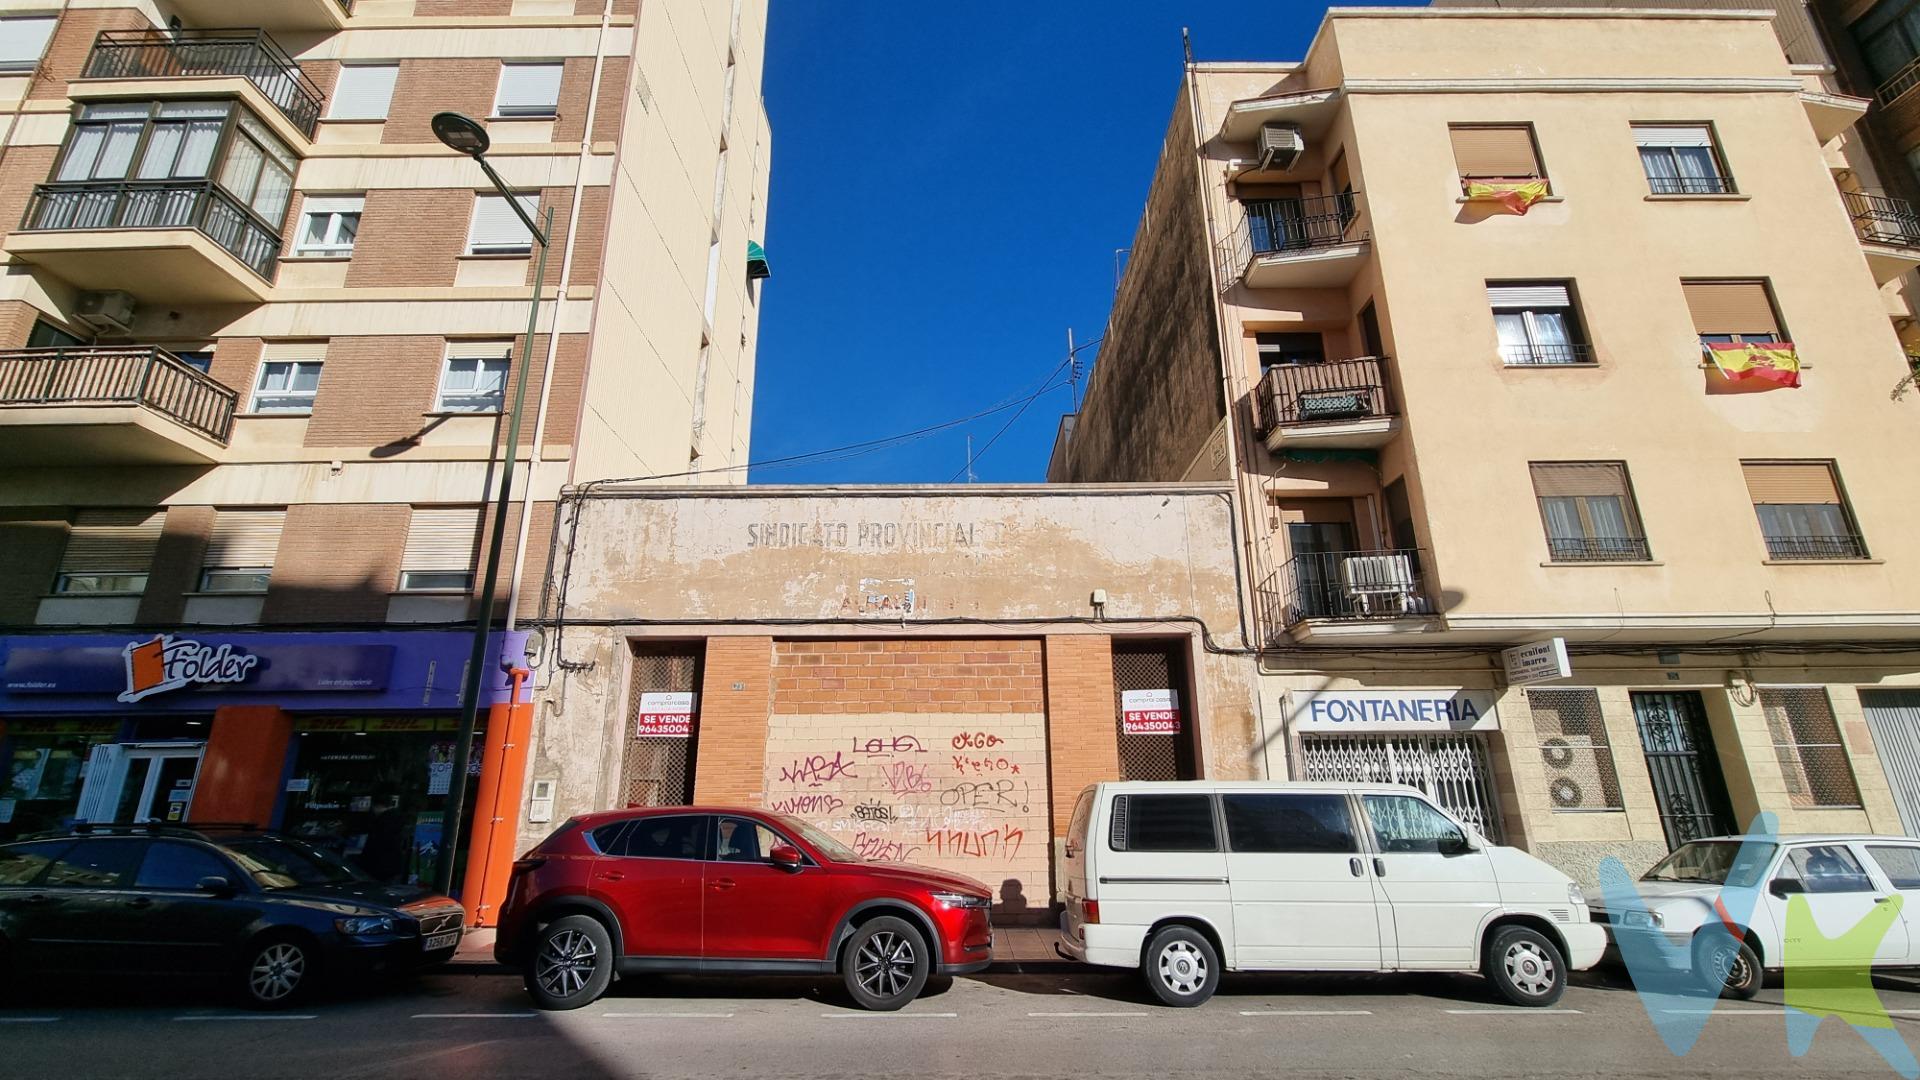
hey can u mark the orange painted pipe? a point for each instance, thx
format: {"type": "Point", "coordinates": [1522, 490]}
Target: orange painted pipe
{"type": "Point", "coordinates": [496, 804]}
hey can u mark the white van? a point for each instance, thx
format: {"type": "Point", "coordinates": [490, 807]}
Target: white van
{"type": "Point", "coordinates": [1183, 879]}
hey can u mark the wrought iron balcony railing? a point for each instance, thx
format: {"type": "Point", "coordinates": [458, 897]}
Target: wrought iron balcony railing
{"type": "Point", "coordinates": [1599, 549]}
{"type": "Point", "coordinates": [1291, 394]}
{"type": "Point", "coordinates": [1276, 225]}
{"type": "Point", "coordinates": [1897, 86]}
{"type": "Point", "coordinates": [119, 375]}
{"type": "Point", "coordinates": [1540, 355]}
{"type": "Point", "coordinates": [1787, 548]}
{"type": "Point", "coordinates": [1690, 185]}
{"type": "Point", "coordinates": [157, 204]}
{"type": "Point", "coordinates": [1347, 585]}
{"type": "Point", "coordinates": [1883, 219]}
{"type": "Point", "coordinates": [246, 53]}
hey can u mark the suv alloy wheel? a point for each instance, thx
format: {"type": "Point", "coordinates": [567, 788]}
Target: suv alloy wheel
{"type": "Point", "coordinates": [885, 964]}
{"type": "Point", "coordinates": [571, 963]}
{"type": "Point", "coordinates": [278, 972]}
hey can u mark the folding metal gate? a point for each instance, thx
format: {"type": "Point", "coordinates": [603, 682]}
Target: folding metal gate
{"type": "Point", "coordinates": [1687, 785]}
{"type": "Point", "coordinates": [1451, 769]}
{"type": "Point", "coordinates": [1894, 718]}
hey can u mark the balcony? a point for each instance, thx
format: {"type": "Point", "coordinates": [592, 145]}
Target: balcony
{"type": "Point", "coordinates": [1295, 243]}
{"type": "Point", "coordinates": [245, 54]}
{"type": "Point", "coordinates": [185, 241]}
{"type": "Point", "coordinates": [111, 405]}
{"type": "Point", "coordinates": [1889, 232]}
{"type": "Point", "coordinates": [275, 15]}
{"type": "Point", "coordinates": [1598, 549]}
{"type": "Point", "coordinates": [1342, 404]}
{"type": "Point", "coordinates": [1815, 548]}
{"type": "Point", "coordinates": [1386, 588]}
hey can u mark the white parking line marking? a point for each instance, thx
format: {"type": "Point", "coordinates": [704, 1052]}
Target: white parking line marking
{"type": "Point", "coordinates": [1087, 1014]}
{"type": "Point", "coordinates": [1306, 1012]}
{"type": "Point", "coordinates": [1513, 1012]}
{"type": "Point", "coordinates": [667, 1016]}
{"type": "Point", "coordinates": [476, 1016]}
{"type": "Point", "coordinates": [887, 1016]}
{"type": "Point", "coordinates": [262, 1016]}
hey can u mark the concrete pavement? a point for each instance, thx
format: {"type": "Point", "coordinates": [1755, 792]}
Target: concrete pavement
{"type": "Point", "coordinates": [1054, 1025]}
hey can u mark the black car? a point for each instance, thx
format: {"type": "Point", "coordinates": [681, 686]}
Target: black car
{"type": "Point", "coordinates": [266, 913]}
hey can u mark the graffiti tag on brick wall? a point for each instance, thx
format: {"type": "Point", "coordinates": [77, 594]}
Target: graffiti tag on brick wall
{"type": "Point", "coordinates": [818, 770]}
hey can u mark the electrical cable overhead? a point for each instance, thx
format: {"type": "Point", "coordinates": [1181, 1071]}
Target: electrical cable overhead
{"type": "Point", "coordinates": [1047, 386]}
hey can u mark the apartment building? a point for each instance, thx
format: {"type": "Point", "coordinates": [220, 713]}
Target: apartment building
{"type": "Point", "coordinates": [259, 335]}
{"type": "Point", "coordinates": [1472, 307]}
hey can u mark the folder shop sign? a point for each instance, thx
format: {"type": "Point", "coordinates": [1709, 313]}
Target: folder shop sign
{"type": "Point", "coordinates": [1149, 712]}
{"type": "Point", "coordinates": [168, 663]}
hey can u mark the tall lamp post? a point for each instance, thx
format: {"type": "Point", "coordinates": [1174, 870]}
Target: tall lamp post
{"type": "Point", "coordinates": [466, 135]}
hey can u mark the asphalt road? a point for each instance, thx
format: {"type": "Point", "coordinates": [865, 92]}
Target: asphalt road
{"type": "Point", "coordinates": [1001, 1026]}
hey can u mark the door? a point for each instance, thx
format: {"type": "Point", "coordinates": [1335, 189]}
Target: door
{"type": "Point", "coordinates": [1439, 891]}
{"type": "Point", "coordinates": [1303, 894]}
{"type": "Point", "coordinates": [1899, 864]}
{"type": "Point", "coordinates": [651, 878]}
{"type": "Point", "coordinates": [26, 902]}
{"type": "Point", "coordinates": [1687, 784]}
{"type": "Point", "coordinates": [1894, 718]}
{"type": "Point", "coordinates": [1839, 894]}
{"type": "Point", "coordinates": [1276, 224]}
{"type": "Point", "coordinates": [128, 783]}
{"type": "Point", "coordinates": [1315, 548]}
{"type": "Point", "coordinates": [1163, 856]}
{"type": "Point", "coordinates": [756, 910]}
{"type": "Point", "coordinates": [175, 925]}
{"type": "Point", "coordinates": [75, 926]}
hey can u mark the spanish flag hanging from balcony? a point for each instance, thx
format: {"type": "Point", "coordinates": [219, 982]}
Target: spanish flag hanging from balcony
{"type": "Point", "coordinates": [1773, 361]}
{"type": "Point", "coordinates": [1516, 195]}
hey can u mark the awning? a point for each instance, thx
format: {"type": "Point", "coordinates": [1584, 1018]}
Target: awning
{"type": "Point", "coordinates": [757, 262]}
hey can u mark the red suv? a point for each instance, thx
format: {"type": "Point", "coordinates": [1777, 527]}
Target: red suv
{"type": "Point", "coordinates": [717, 890]}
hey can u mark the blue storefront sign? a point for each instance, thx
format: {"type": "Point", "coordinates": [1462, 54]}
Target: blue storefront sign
{"type": "Point", "coordinates": [195, 672]}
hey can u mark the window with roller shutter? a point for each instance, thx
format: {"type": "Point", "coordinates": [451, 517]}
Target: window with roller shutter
{"type": "Point", "coordinates": [109, 552]}
{"type": "Point", "coordinates": [1538, 323]}
{"type": "Point", "coordinates": [442, 543]}
{"type": "Point", "coordinates": [497, 230]}
{"type": "Point", "coordinates": [1730, 311]}
{"type": "Point", "coordinates": [1589, 513]}
{"type": "Point", "coordinates": [240, 551]}
{"type": "Point", "coordinates": [1681, 159]}
{"type": "Point", "coordinates": [1802, 513]}
{"type": "Point", "coordinates": [1495, 152]}
{"type": "Point", "coordinates": [528, 91]}
{"type": "Point", "coordinates": [363, 92]}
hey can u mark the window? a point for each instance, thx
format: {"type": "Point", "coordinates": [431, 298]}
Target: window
{"type": "Point", "coordinates": [1402, 823]}
{"type": "Point", "coordinates": [21, 863]}
{"type": "Point", "coordinates": [1589, 512]}
{"type": "Point", "coordinates": [1289, 823]}
{"type": "Point", "coordinates": [496, 229]}
{"type": "Point", "coordinates": [738, 840]}
{"type": "Point", "coordinates": [1573, 745]}
{"type": "Point", "coordinates": [109, 552]}
{"type": "Point", "coordinates": [1728, 311]}
{"type": "Point", "coordinates": [179, 140]}
{"type": "Point", "coordinates": [528, 90]}
{"type": "Point", "coordinates": [713, 280]}
{"type": "Point", "coordinates": [1889, 39]}
{"type": "Point", "coordinates": [1802, 515]}
{"type": "Point", "coordinates": [180, 867]}
{"type": "Point", "coordinates": [1537, 323]}
{"type": "Point", "coordinates": [1824, 868]}
{"type": "Point", "coordinates": [363, 92]}
{"type": "Point", "coordinates": [681, 836]}
{"type": "Point", "coordinates": [1900, 864]}
{"type": "Point", "coordinates": [1495, 152]}
{"type": "Point", "coordinates": [95, 864]}
{"type": "Point", "coordinates": [200, 360]}
{"type": "Point", "coordinates": [328, 226]}
{"type": "Point", "coordinates": [441, 544]}
{"type": "Point", "coordinates": [1681, 159]}
{"type": "Point", "coordinates": [286, 386]}
{"type": "Point", "coordinates": [24, 41]}
{"type": "Point", "coordinates": [45, 335]}
{"type": "Point", "coordinates": [1163, 823]}
{"type": "Point", "coordinates": [1806, 740]}
{"type": "Point", "coordinates": [259, 169]}
{"type": "Point", "coordinates": [241, 550]}
{"type": "Point", "coordinates": [1277, 349]}
{"type": "Point", "coordinates": [475, 377]}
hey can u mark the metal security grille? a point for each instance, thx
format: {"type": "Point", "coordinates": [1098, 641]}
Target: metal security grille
{"type": "Point", "coordinates": [1687, 784]}
{"type": "Point", "coordinates": [1894, 717]}
{"type": "Point", "coordinates": [1806, 739]}
{"type": "Point", "coordinates": [1574, 749]}
{"type": "Point", "coordinates": [1451, 769]}
{"type": "Point", "coordinates": [656, 771]}
{"type": "Point", "coordinates": [1154, 665]}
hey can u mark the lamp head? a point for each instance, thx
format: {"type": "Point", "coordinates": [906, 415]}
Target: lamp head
{"type": "Point", "coordinates": [462, 133]}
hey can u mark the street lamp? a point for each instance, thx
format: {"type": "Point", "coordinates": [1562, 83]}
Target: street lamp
{"type": "Point", "coordinates": [466, 135]}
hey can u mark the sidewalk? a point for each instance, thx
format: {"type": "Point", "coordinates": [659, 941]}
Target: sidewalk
{"type": "Point", "coordinates": [1015, 948]}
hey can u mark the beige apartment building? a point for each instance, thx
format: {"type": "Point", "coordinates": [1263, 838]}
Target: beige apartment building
{"type": "Point", "coordinates": [259, 332]}
{"type": "Point", "coordinates": [1456, 424]}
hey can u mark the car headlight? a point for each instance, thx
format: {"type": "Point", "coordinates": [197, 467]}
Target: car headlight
{"type": "Point", "coordinates": [364, 926]}
{"type": "Point", "coordinates": [962, 900]}
{"type": "Point", "coordinates": [1574, 895]}
{"type": "Point", "coordinates": [1643, 920]}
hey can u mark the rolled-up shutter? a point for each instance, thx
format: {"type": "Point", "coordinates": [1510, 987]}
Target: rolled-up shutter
{"type": "Point", "coordinates": [496, 228]}
{"type": "Point", "coordinates": [244, 538]}
{"type": "Point", "coordinates": [528, 90]}
{"type": "Point", "coordinates": [442, 539]}
{"type": "Point", "coordinates": [112, 541]}
{"type": "Point", "coordinates": [1495, 152]}
{"type": "Point", "coordinates": [1672, 135]}
{"type": "Point", "coordinates": [1800, 483]}
{"type": "Point", "coordinates": [1730, 307]}
{"type": "Point", "coordinates": [1575, 478]}
{"type": "Point", "coordinates": [363, 92]}
{"type": "Point", "coordinates": [1534, 295]}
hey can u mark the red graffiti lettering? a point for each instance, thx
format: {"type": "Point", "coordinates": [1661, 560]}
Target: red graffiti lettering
{"type": "Point", "coordinates": [997, 843]}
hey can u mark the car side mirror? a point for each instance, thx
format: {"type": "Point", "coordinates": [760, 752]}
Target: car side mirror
{"type": "Point", "coordinates": [1457, 844]}
{"type": "Point", "coordinates": [785, 856]}
{"type": "Point", "coordinates": [216, 885]}
{"type": "Point", "coordinates": [1784, 887]}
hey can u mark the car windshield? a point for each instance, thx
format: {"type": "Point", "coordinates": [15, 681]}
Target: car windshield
{"type": "Point", "coordinates": [279, 862]}
{"type": "Point", "coordinates": [1715, 862]}
{"type": "Point", "coordinates": [822, 843]}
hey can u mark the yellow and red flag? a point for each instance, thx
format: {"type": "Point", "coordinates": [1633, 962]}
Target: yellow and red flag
{"type": "Point", "coordinates": [1515, 195]}
{"type": "Point", "coordinates": [1774, 361]}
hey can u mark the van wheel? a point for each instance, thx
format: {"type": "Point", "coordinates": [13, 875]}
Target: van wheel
{"type": "Point", "coordinates": [885, 964]}
{"type": "Point", "coordinates": [572, 962]}
{"type": "Point", "coordinates": [1182, 968]}
{"type": "Point", "coordinates": [1733, 965]}
{"type": "Point", "coordinates": [1525, 966]}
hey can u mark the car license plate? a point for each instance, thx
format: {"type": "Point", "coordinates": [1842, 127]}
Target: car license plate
{"type": "Point", "coordinates": [441, 941]}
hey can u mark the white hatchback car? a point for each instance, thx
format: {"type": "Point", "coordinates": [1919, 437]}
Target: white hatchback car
{"type": "Point", "coordinates": [1842, 878]}
{"type": "Point", "coordinates": [1183, 879]}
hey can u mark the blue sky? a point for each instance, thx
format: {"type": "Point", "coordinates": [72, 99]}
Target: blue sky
{"type": "Point", "coordinates": [949, 185]}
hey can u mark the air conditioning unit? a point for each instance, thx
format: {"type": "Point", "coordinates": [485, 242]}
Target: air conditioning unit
{"type": "Point", "coordinates": [107, 312]}
{"type": "Point", "coordinates": [1280, 147]}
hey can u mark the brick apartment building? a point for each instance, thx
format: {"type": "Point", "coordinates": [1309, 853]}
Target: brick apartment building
{"type": "Point", "coordinates": [259, 331]}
